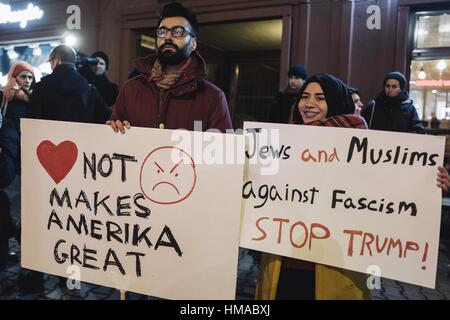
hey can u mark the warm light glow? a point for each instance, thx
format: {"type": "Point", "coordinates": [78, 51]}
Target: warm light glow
{"type": "Point", "coordinates": [12, 55]}
{"type": "Point", "coordinates": [434, 91]}
{"type": "Point", "coordinates": [441, 65]}
{"type": "Point", "coordinates": [70, 40]}
{"type": "Point", "coordinates": [422, 75]}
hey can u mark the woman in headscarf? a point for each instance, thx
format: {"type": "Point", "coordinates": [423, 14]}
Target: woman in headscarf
{"type": "Point", "coordinates": [324, 101]}
{"type": "Point", "coordinates": [15, 95]}
{"type": "Point", "coordinates": [392, 110]}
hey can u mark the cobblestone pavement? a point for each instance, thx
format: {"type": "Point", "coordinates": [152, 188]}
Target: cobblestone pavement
{"type": "Point", "coordinates": [247, 271]}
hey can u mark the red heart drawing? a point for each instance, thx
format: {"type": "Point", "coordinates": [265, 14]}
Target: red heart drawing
{"type": "Point", "coordinates": [57, 160]}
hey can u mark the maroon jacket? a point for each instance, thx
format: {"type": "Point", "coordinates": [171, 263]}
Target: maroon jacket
{"type": "Point", "coordinates": [192, 98]}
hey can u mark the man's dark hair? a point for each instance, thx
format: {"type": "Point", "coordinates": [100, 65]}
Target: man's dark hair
{"type": "Point", "coordinates": [64, 53]}
{"type": "Point", "coordinates": [175, 9]}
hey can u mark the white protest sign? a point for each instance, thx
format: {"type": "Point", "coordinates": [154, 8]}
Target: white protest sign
{"type": "Point", "coordinates": [348, 198]}
{"type": "Point", "coordinates": [132, 211]}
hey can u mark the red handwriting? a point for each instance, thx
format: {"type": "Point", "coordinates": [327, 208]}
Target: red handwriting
{"type": "Point", "coordinates": [367, 243]}
{"type": "Point", "coordinates": [300, 234]}
{"type": "Point", "coordinates": [319, 156]}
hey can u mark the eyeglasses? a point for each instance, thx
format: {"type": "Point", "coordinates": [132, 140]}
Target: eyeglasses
{"type": "Point", "coordinates": [51, 60]}
{"type": "Point", "coordinates": [176, 32]}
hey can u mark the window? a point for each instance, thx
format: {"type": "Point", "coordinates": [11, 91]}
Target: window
{"type": "Point", "coordinates": [430, 65]}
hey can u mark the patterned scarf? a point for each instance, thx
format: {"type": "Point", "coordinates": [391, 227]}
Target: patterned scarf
{"type": "Point", "coordinates": [164, 80]}
{"type": "Point", "coordinates": [342, 121]}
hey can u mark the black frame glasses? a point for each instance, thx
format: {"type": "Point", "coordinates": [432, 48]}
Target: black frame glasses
{"type": "Point", "coordinates": [176, 32]}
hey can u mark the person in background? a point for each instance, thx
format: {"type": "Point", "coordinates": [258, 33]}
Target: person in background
{"type": "Point", "coordinates": [392, 110]}
{"type": "Point", "coordinates": [95, 71]}
{"type": "Point", "coordinates": [64, 95]}
{"type": "Point", "coordinates": [286, 100]}
{"type": "Point", "coordinates": [356, 97]}
{"type": "Point", "coordinates": [14, 106]}
{"type": "Point", "coordinates": [435, 123]}
{"type": "Point", "coordinates": [15, 96]}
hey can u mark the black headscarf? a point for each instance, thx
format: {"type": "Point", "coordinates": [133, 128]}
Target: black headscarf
{"type": "Point", "coordinates": [337, 95]}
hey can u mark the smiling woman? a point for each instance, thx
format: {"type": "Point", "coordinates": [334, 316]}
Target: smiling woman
{"type": "Point", "coordinates": [325, 101]}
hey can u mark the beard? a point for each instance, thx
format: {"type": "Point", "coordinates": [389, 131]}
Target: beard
{"type": "Point", "coordinates": [172, 58]}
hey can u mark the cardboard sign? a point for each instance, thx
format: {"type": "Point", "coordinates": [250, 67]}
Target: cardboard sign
{"type": "Point", "coordinates": [357, 199]}
{"type": "Point", "coordinates": [131, 211]}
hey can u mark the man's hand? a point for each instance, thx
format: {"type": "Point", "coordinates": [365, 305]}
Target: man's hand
{"type": "Point", "coordinates": [443, 179]}
{"type": "Point", "coordinates": [118, 125]}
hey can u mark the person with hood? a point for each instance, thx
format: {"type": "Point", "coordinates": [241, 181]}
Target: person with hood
{"type": "Point", "coordinates": [324, 101]}
{"type": "Point", "coordinates": [170, 89]}
{"type": "Point", "coordinates": [286, 100]}
{"type": "Point", "coordinates": [392, 110]}
{"type": "Point", "coordinates": [15, 96]}
{"type": "Point", "coordinates": [14, 106]}
{"type": "Point", "coordinates": [65, 95]}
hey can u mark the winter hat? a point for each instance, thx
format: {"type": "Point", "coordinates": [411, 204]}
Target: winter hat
{"type": "Point", "coordinates": [104, 56]}
{"type": "Point", "coordinates": [298, 70]}
{"type": "Point", "coordinates": [12, 89]}
{"type": "Point", "coordinates": [396, 76]}
{"type": "Point", "coordinates": [18, 67]}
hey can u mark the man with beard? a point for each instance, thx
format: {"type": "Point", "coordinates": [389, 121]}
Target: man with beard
{"type": "Point", "coordinates": [171, 90]}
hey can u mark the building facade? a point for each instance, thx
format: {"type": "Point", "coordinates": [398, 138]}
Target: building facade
{"type": "Point", "coordinates": [359, 41]}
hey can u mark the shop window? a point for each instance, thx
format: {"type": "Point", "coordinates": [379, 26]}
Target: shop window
{"type": "Point", "coordinates": [35, 54]}
{"type": "Point", "coordinates": [430, 66]}
{"type": "Point", "coordinates": [430, 87]}
{"type": "Point", "coordinates": [433, 31]}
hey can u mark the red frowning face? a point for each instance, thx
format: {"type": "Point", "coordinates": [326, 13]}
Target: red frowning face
{"type": "Point", "coordinates": [168, 175]}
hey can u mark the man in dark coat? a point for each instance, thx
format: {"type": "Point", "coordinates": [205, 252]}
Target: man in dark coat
{"type": "Point", "coordinates": [171, 91]}
{"type": "Point", "coordinates": [65, 95]}
{"type": "Point", "coordinates": [96, 74]}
